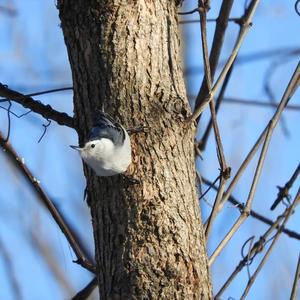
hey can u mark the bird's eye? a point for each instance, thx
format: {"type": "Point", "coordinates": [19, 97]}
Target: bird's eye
{"type": "Point", "coordinates": [93, 145]}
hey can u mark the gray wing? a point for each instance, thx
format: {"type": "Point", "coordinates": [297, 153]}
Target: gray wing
{"type": "Point", "coordinates": [104, 126]}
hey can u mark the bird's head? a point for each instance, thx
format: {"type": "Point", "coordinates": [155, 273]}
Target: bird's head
{"type": "Point", "coordinates": [94, 149]}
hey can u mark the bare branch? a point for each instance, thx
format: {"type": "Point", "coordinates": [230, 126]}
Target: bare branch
{"type": "Point", "coordinates": [245, 213]}
{"type": "Point", "coordinates": [293, 52]}
{"type": "Point", "coordinates": [289, 211]}
{"type": "Point", "coordinates": [235, 20]}
{"type": "Point", "coordinates": [284, 192]}
{"type": "Point", "coordinates": [190, 12]}
{"type": "Point", "coordinates": [267, 84]}
{"type": "Point", "coordinates": [247, 208]}
{"type": "Point", "coordinates": [259, 246]}
{"type": "Point", "coordinates": [204, 139]}
{"type": "Point", "coordinates": [212, 185]}
{"type": "Point", "coordinates": [293, 84]}
{"type": "Point", "coordinates": [45, 130]}
{"type": "Point", "coordinates": [266, 135]}
{"type": "Point", "coordinates": [258, 103]}
{"type": "Point", "coordinates": [217, 44]}
{"type": "Point", "coordinates": [69, 88]}
{"type": "Point", "coordinates": [220, 152]}
{"type": "Point", "coordinates": [44, 110]}
{"type": "Point", "coordinates": [44, 199]}
{"type": "Point", "coordinates": [252, 213]}
{"type": "Point", "coordinates": [8, 121]}
{"type": "Point", "coordinates": [243, 31]}
{"type": "Point", "coordinates": [239, 101]}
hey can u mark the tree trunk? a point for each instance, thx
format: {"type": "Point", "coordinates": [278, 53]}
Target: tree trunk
{"type": "Point", "coordinates": [148, 237]}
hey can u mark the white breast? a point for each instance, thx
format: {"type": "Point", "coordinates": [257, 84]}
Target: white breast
{"type": "Point", "coordinates": [105, 158]}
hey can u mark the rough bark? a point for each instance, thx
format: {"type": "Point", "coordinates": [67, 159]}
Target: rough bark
{"type": "Point", "coordinates": [148, 237]}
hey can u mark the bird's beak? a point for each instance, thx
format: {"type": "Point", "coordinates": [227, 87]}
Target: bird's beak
{"type": "Point", "coordinates": [75, 147]}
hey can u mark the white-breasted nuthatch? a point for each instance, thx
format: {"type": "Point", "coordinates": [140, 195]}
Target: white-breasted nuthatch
{"type": "Point", "coordinates": [107, 150]}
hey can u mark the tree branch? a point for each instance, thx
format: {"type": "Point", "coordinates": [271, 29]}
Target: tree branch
{"type": "Point", "coordinates": [44, 199]}
{"type": "Point", "coordinates": [69, 88]}
{"type": "Point", "coordinates": [249, 58]}
{"type": "Point", "coordinates": [44, 110]}
{"type": "Point", "coordinates": [235, 20]}
{"type": "Point", "coordinates": [292, 86]}
{"type": "Point", "coordinates": [286, 215]}
{"type": "Point", "coordinates": [231, 100]}
{"type": "Point", "coordinates": [245, 213]}
{"type": "Point", "coordinates": [220, 152]}
{"type": "Point", "coordinates": [245, 25]}
{"type": "Point", "coordinates": [265, 135]}
{"type": "Point", "coordinates": [252, 213]}
{"type": "Point", "coordinates": [284, 191]}
{"type": "Point", "coordinates": [218, 40]}
{"type": "Point", "coordinates": [202, 143]}
{"type": "Point", "coordinates": [259, 246]}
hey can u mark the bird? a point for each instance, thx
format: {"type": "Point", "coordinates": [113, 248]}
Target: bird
{"type": "Point", "coordinates": [108, 149]}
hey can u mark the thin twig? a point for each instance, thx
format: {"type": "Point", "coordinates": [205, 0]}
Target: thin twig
{"type": "Point", "coordinates": [86, 291]}
{"type": "Point", "coordinates": [245, 213]}
{"type": "Point", "coordinates": [235, 20]}
{"type": "Point", "coordinates": [202, 143]}
{"type": "Point", "coordinates": [296, 281]}
{"type": "Point", "coordinates": [284, 191]}
{"type": "Point", "coordinates": [69, 88]}
{"type": "Point", "coordinates": [289, 211]}
{"type": "Point", "coordinates": [45, 130]}
{"type": "Point", "coordinates": [8, 121]}
{"type": "Point", "coordinates": [249, 58]}
{"type": "Point", "coordinates": [262, 103]}
{"type": "Point", "coordinates": [254, 214]}
{"type": "Point", "coordinates": [220, 151]}
{"type": "Point", "coordinates": [243, 31]}
{"type": "Point", "coordinates": [44, 110]}
{"type": "Point", "coordinates": [19, 163]}
{"type": "Point", "coordinates": [248, 256]}
{"type": "Point", "coordinates": [259, 245]}
{"type": "Point", "coordinates": [293, 84]}
{"type": "Point", "coordinates": [259, 103]}
{"type": "Point", "coordinates": [209, 187]}
{"type": "Point", "coordinates": [267, 86]}
{"type": "Point", "coordinates": [190, 12]}
{"type": "Point", "coordinates": [218, 40]}
{"type": "Point", "coordinates": [9, 111]}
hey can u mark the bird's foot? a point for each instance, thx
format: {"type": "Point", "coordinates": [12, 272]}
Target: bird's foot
{"type": "Point", "coordinates": [130, 180]}
{"type": "Point", "coordinates": [85, 193]}
{"type": "Point", "coordinates": [138, 129]}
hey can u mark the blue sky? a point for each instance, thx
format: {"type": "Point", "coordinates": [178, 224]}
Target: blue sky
{"type": "Point", "coordinates": [34, 58]}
